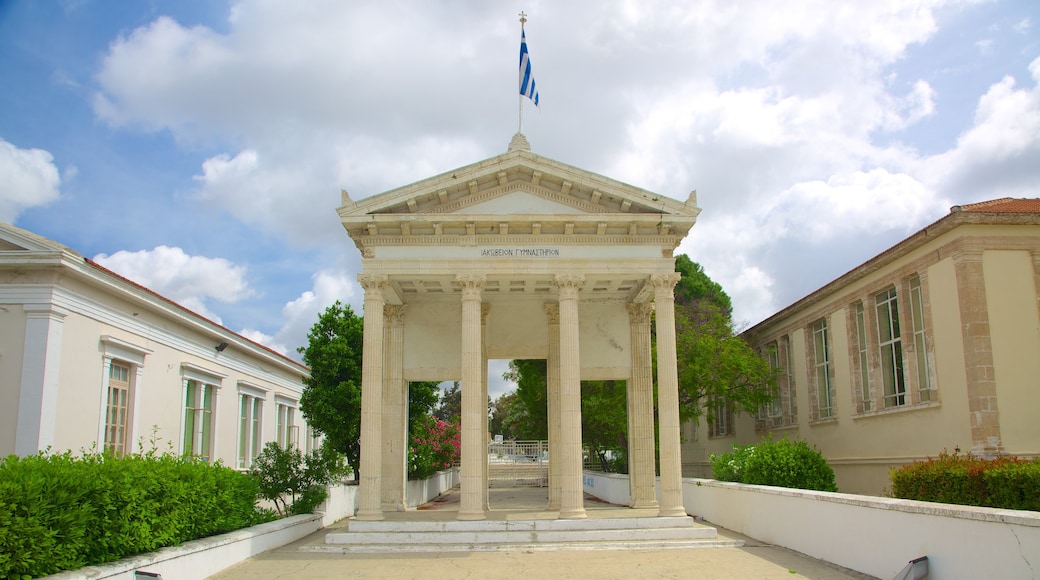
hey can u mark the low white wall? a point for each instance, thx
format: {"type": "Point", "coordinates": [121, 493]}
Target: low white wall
{"type": "Point", "coordinates": [341, 503]}
{"type": "Point", "coordinates": [205, 557]}
{"type": "Point", "coordinates": [421, 491]}
{"type": "Point", "coordinates": [873, 535]}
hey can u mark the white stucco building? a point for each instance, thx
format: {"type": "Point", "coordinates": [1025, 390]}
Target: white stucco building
{"type": "Point", "coordinates": [89, 358]}
{"type": "Point", "coordinates": [932, 345]}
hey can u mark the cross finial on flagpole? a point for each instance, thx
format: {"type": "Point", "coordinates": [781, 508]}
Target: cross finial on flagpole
{"type": "Point", "coordinates": [523, 17]}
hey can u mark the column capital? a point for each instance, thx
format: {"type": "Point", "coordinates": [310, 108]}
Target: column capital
{"type": "Point", "coordinates": [576, 281]}
{"type": "Point", "coordinates": [568, 285]}
{"type": "Point", "coordinates": [472, 285]}
{"type": "Point", "coordinates": [639, 312]}
{"type": "Point", "coordinates": [553, 312]}
{"type": "Point", "coordinates": [665, 281]}
{"type": "Point", "coordinates": [395, 313]}
{"type": "Point", "coordinates": [485, 309]}
{"type": "Point", "coordinates": [373, 282]}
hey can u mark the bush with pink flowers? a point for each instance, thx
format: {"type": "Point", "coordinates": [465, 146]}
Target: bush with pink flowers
{"type": "Point", "coordinates": [434, 445]}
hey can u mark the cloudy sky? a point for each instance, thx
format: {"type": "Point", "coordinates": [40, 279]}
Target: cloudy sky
{"type": "Point", "coordinates": [199, 147]}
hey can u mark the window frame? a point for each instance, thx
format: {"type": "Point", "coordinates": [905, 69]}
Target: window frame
{"type": "Point", "coordinates": [195, 378]}
{"type": "Point", "coordinates": [287, 430]}
{"type": "Point", "coordinates": [821, 371]}
{"type": "Point", "coordinates": [894, 393]}
{"type": "Point", "coordinates": [121, 352]}
{"type": "Point", "coordinates": [251, 399]}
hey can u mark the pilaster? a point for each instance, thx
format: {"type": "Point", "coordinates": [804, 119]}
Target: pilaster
{"type": "Point", "coordinates": [641, 465]}
{"type": "Point", "coordinates": [978, 354]}
{"type": "Point", "coordinates": [395, 410]}
{"type": "Point", "coordinates": [671, 502]}
{"type": "Point", "coordinates": [369, 487]}
{"type": "Point", "coordinates": [552, 387]}
{"type": "Point", "coordinates": [41, 366]}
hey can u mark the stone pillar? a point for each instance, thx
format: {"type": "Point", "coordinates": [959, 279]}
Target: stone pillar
{"type": "Point", "coordinates": [485, 309]}
{"type": "Point", "coordinates": [370, 502]}
{"type": "Point", "coordinates": [572, 504]}
{"type": "Point", "coordinates": [395, 411]}
{"type": "Point", "coordinates": [641, 465]}
{"type": "Point", "coordinates": [978, 354]}
{"type": "Point", "coordinates": [474, 411]}
{"type": "Point", "coordinates": [671, 502]}
{"type": "Point", "coordinates": [41, 366]}
{"type": "Point", "coordinates": [552, 388]}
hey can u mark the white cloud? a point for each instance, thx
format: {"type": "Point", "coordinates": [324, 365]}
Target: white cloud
{"type": "Point", "coordinates": [997, 156]}
{"type": "Point", "coordinates": [788, 121]}
{"type": "Point", "coordinates": [191, 281]}
{"type": "Point", "coordinates": [300, 314]}
{"type": "Point", "coordinates": [28, 178]}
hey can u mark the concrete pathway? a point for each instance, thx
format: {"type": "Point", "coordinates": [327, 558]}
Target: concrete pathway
{"type": "Point", "coordinates": [754, 560]}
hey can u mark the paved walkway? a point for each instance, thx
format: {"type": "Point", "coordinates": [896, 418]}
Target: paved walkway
{"type": "Point", "coordinates": [754, 560]}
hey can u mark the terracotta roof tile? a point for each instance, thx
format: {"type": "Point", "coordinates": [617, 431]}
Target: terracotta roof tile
{"type": "Point", "coordinates": [1003, 205]}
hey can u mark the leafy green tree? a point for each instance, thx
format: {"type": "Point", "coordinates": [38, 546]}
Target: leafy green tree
{"type": "Point", "coordinates": [604, 423]}
{"type": "Point", "coordinates": [509, 417]}
{"type": "Point", "coordinates": [530, 378]}
{"type": "Point", "coordinates": [450, 403]}
{"type": "Point", "coordinates": [331, 399]}
{"type": "Point", "coordinates": [717, 368]}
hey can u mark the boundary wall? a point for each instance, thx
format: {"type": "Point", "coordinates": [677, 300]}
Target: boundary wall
{"type": "Point", "coordinates": [872, 535]}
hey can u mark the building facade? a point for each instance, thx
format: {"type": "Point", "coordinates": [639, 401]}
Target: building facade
{"type": "Point", "coordinates": [932, 345]}
{"type": "Point", "coordinates": [518, 256]}
{"type": "Point", "coordinates": [91, 360]}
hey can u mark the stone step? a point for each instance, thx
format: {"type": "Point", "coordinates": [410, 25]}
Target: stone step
{"type": "Point", "coordinates": [534, 534]}
{"type": "Point", "coordinates": [637, 523]}
{"type": "Point", "coordinates": [527, 547]}
{"type": "Point", "coordinates": [522, 537]}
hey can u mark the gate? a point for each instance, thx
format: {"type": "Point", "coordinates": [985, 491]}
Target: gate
{"type": "Point", "coordinates": [518, 464]}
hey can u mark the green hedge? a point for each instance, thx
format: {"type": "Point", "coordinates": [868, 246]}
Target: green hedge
{"type": "Point", "coordinates": [62, 512]}
{"type": "Point", "coordinates": [1004, 482]}
{"type": "Point", "coordinates": [782, 463]}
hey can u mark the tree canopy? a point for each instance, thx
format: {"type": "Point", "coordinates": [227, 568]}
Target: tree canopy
{"type": "Point", "coordinates": [331, 399]}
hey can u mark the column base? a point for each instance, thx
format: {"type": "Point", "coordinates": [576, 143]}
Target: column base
{"type": "Point", "coordinates": [471, 516]}
{"type": "Point", "coordinates": [573, 514]}
{"type": "Point", "coordinates": [672, 512]}
{"type": "Point", "coordinates": [641, 505]}
{"type": "Point", "coordinates": [369, 515]}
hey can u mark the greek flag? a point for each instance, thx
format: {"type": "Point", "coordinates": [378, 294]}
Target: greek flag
{"type": "Point", "coordinates": [527, 87]}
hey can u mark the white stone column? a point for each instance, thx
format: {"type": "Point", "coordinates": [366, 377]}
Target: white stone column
{"type": "Point", "coordinates": [671, 502]}
{"type": "Point", "coordinates": [552, 387]}
{"type": "Point", "coordinates": [395, 410]}
{"type": "Point", "coordinates": [41, 366]}
{"type": "Point", "coordinates": [474, 411]}
{"type": "Point", "coordinates": [641, 465]}
{"type": "Point", "coordinates": [369, 488]}
{"type": "Point", "coordinates": [572, 504]}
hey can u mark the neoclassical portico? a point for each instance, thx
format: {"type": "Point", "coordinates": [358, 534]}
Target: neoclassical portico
{"type": "Point", "coordinates": [518, 256]}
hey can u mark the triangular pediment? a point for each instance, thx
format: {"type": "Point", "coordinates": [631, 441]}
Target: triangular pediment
{"type": "Point", "coordinates": [518, 193]}
{"type": "Point", "coordinates": [14, 239]}
{"type": "Point", "coordinates": [517, 202]}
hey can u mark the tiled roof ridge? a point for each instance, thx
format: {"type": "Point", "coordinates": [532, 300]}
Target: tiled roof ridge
{"type": "Point", "coordinates": [1002, 205]}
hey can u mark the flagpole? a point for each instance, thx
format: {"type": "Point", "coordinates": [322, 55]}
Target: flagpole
{"type": "Point", "coordinates": [520, 97]}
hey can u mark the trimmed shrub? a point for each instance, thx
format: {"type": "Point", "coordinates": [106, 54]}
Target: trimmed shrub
{"type": "Point", "coordinates": [294, 482]}
{"type": "Point", "coordinates": [1004, 482]}
{"type": "Point", "coordinates": [61, 512]}
{"type": "Point", "coordinates": [782, 463]}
